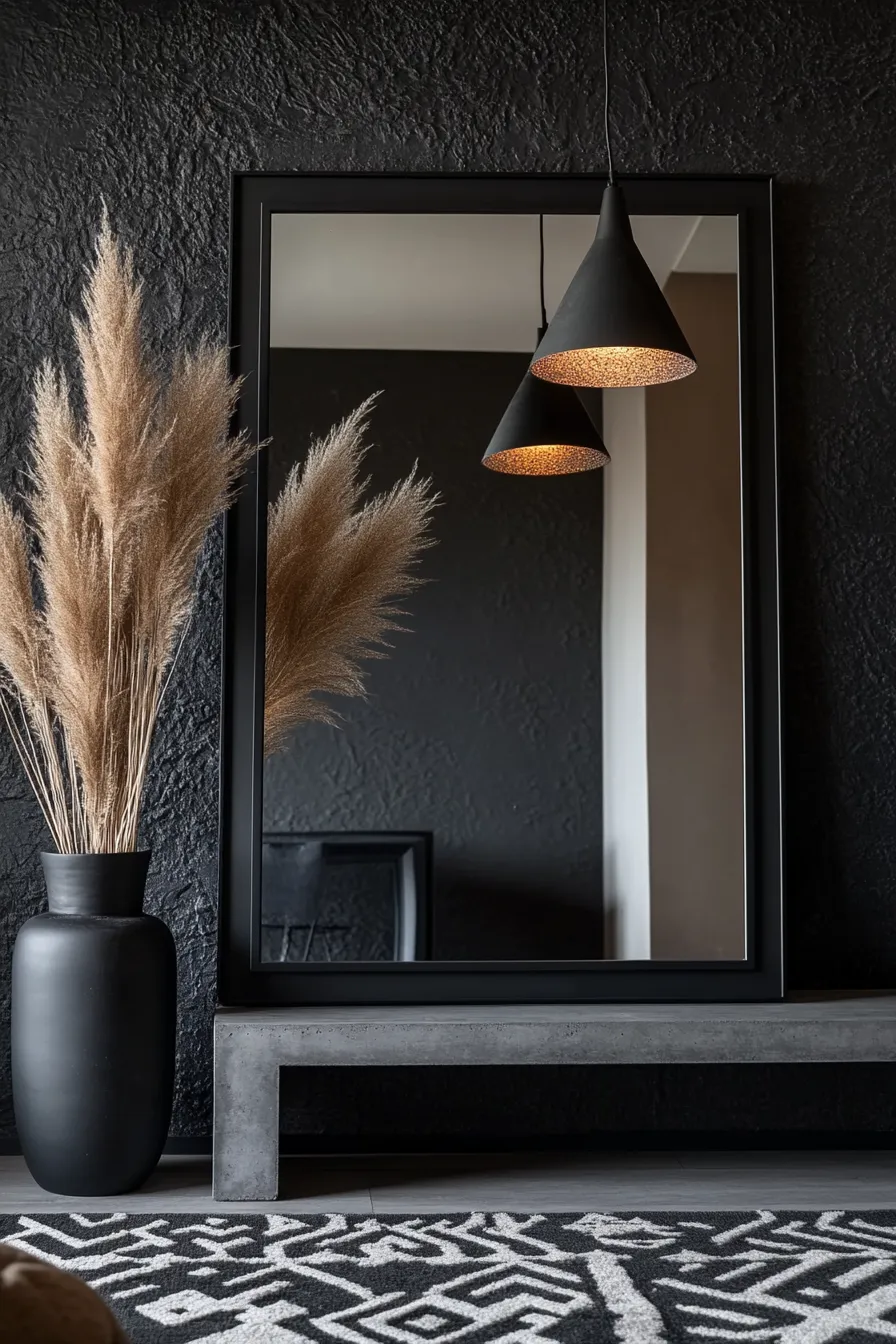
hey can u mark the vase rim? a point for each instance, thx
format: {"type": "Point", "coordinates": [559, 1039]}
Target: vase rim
{"type": "Point", "coordinates": [96, 854]}
{"type": "Point", "coordinates": [96, 884]}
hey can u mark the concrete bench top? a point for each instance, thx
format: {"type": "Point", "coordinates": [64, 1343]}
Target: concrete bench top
{"type": "Point", "coordinates": [253, 1044]}
{"type": "Point", "coordinates": [798, 1030]}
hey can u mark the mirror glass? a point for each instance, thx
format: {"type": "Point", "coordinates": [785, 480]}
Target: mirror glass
{"type": "Point", "coordinates": [549, 763]}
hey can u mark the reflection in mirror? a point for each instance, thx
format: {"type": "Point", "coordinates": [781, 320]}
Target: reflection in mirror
{"type": "Point", "coordinates": [563, 713]}
{"type": "Point", "coordinates": [335, 897]}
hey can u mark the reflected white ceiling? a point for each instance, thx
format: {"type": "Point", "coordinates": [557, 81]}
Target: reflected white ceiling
{"type": "Point", "coordinates": [450, 282]}
{"type": "Point", "coordinates": [713, 247]}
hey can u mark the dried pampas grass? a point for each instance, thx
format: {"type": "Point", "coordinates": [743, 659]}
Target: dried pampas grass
{"type": "Point", "coordinates": [335, 568]}
{"type": "Point", "coordinates": [118, 506]}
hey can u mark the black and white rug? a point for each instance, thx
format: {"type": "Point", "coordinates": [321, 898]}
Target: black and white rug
{"type": "Point", "coordinates": [482, 1278]}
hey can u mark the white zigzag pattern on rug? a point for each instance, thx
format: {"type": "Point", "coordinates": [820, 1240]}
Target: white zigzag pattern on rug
{"type": "Point", "coordinates": [499, 1277]}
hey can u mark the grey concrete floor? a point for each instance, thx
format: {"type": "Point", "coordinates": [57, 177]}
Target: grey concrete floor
{"type": "Point", "coordinates": [524, 1182]}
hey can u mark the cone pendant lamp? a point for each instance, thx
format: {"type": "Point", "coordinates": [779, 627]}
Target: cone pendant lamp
{"type": "Point", "coordinates": [545, 431]}
{"type": "Point", "coordinates": [613, 327]}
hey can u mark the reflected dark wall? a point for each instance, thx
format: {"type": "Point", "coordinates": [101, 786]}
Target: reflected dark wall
{"type": "Point", "coordinates": [484, 726]}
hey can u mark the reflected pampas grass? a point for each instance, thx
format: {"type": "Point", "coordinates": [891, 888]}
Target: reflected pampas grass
{"type": "Point", "coordinates": [96, 578]}
{"type": "Point", "coordinates": [336, 566]}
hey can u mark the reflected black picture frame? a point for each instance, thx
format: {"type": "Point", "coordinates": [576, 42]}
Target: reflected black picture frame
{"type": "Point", "coordinates": [410, 855]}
{"type": "Point", "coordinates": [242, 981]}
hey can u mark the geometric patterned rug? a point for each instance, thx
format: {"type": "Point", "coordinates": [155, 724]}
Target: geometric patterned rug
{"type": "Point", "coordinates": [482, 1278]}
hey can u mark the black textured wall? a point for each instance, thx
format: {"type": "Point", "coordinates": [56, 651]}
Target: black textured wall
{"type": "Point", "coordinates": [151, 103]}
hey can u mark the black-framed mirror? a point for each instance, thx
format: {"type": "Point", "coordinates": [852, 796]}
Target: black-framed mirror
{"type": "Point", "coordinates": [584, 712]}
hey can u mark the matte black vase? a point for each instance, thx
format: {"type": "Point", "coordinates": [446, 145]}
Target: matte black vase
{"type": "Point", "coordinates": [93, 1021]}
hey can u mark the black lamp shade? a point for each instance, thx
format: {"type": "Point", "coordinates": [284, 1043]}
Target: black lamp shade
{"type": "Point", "coordinates": [613, 327]}
{"type": "Point", "coordinates": [545, 431]}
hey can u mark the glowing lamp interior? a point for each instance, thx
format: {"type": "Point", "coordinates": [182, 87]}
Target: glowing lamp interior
{"type": "Point", "coordinates": [546, 459]}
{"type": "Point", "coordinates": [614, 366]}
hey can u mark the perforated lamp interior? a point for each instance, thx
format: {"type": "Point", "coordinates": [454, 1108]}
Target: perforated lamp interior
{"type": "Point", "coordinates": [613, 327]}
{"type": "Point", "coordinates": [545, 431]}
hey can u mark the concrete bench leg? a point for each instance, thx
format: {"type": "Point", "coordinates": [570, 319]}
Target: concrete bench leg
{"type": "Point", "coordinates": [246, 1126]}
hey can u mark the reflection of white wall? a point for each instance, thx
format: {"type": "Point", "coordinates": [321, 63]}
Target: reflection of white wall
{"type": "Point", "coordinates": [672, 649]}
{"type": "Point", "coordinates": [711, 248]}
{"type": "Point", "coordinates": [434, 282]}
{"type": "Point", "coordinates": [624, 672]}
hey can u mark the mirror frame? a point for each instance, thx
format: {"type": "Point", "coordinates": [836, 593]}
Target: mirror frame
{"type": "Point", "coordinates": [242, 978]}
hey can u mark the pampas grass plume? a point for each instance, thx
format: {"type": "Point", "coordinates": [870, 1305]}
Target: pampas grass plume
{"type": "Point", "coordinates": [336, 567]}
{"type": "Point", "coordinates": [97, 575]}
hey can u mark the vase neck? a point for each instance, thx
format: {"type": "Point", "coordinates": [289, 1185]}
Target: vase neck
{"type": "Point", "coordinates": [96, 884]}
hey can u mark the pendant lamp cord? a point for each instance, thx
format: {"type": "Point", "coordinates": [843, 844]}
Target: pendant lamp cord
{"type": "Point", "coordinates": [544, 316]}
{"type": "Point", "coordinates": [611, 174]}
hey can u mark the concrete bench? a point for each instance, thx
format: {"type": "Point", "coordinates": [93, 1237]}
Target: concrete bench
{"type": "Point", "coordinates": [252, 1045]}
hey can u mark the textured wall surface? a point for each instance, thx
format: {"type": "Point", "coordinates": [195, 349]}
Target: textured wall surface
{"type": "Point", "coordinates": [151, 103]}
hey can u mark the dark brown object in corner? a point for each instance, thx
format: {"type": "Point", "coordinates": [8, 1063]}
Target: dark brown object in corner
{"type": "Point", "coordinates": [40, 1304]}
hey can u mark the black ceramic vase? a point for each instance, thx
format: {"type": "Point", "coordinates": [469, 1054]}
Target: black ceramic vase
{"type": "Point", "coordinates": [93, 1020]}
